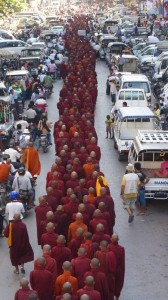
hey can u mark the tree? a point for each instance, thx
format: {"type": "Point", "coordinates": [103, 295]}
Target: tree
{"type": "Point", "coordinates": [10, 6]}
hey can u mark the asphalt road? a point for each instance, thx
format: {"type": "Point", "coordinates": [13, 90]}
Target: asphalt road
{"type": "Point", "coordinates": [145, 240]}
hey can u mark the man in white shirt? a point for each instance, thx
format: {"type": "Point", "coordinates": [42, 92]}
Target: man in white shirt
{"type": "Point", "coordinates": [129, 191]}
{"type": "Point", "coordinates": [24, 123]}
{"type": "Point", "coordinates": [14, 206]}
{"type": "Point", "coordinates": [14, 154]}
{"type": "Point", "coordinates": [30, 114]}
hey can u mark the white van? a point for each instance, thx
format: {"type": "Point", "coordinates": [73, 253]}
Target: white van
{"type": "Point", "coordinates": [133, 97]}
{"type": "Point", "coordinates": [137, 81]}
{"type": "Point", "coordinates": [14, 45]}
{"type": "Point", "coordinates": [149, 148]}
{"type": "Point", "coordinates": [127, 123]}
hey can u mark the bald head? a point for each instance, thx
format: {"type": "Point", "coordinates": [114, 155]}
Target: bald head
{"type": "Point", "coordinates": [79, 216]}
{"type": "Point", "coordinates": [89, 281]}
{"type": "Point", "coordinates": [41, 262]}
{"type": "Point", "coordinates": [97, 213]}
{"type": "Point", "coordinates": [66, 296]}
{"type": "Point", "coordinates": [95, 263]}
{"type": "Point", "coordinates": [88, 236]}
{"type": "Point", "coordinates": [61, 239]}
{"type": "Point", "coordinates": [24, 282]}
{"type": "Point", "coordinates": [115, 238]}
{"type": "Point", "coordinates": [67, 287]}
{"type": "Point", "coordinates": [49, 190]}
{"type": "Point", "coordinates": [81, 207]}
{"type": "Point", "coordinates": [49, 215]}
{"type": "Point", "coordinates": [103, 191]}
{"type": "Point", "coordinates": [84, 297]}
{"type": "Point", "coordinates": [46, 248]}
{"type": "Point", "coordinates": [79, 231]}
{"type": "Point", "coordinates": [60, 208]}
{"type": "Point", "coordinates": [101, 205]}
{"type": "Point", "coordinates": [50, 227]}
{"type": "Point", "coordinates": [81, 251]}
{"type": "Point", "coordinates": [41, 200]}
{"type": "Point", "coordinates": [103, 244]}
{"type": "Point", "coordinates": [74, 175]}
{"type": "Point", "coordinates": [66, 266]}
{"type": "Point", "coordinates": [100, 227]}
{"type": "Point", "coordinates": [16, 217]}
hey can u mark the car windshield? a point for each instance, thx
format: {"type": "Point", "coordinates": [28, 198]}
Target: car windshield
{"type": "Point", "coordinates": [137, 85]}
{"type": "Point", "coordinates": [131, 95]}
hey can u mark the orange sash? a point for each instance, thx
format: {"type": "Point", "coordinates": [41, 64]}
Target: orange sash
{"type": "Point", "coordinates": [10, 235]}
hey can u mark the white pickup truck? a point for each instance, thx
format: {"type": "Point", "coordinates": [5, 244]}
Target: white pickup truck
{"type": "Point", "coordinates": [150, 148]}
{"type": "Point", "coordinates": [126, 125]}
{"type": "Point", "coordinates": [133, 97]}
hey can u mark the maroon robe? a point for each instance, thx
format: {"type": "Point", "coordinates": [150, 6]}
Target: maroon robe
{"type": "Point", "coordinates": [80, 266]}
{"type": "Point", "coordinates": [51, 265]}
{"type": "Point", "coordinates": [41, 281]}
{"type": "Point", "coordinates": [100, 236]}
{"type": "Point", "coordinates": [23, 293]}
{"type": "Point", "coordinates": [61, 253]}
{"type": "Point", "coordinates": [108, 266]}
{"type": "Point", "coordinates": [72, 207]}
{"type": "Point", "coordinates": [49, 238]}
{"type": "Point", "coordinates": [43, 225]}
{"type": "Point", "coordinates": [119, 252]}
{"type": "Point", "coordinates": [72, 183]}
{"type": "Point", "coordinates": [74, 245]}
{"type": "Point", "coordinates": [90, 247]}
{"type": "Point", "coordinates": [41, 211]}
{"type": "Point", "coordinates": [98, 220]}
{"type": "Point", "coordinates": [20, 251]}
{"type": "Point", "coordinates": [89, 290]}
{"type": "Point", "coordinates": [89, 208]}
{"type": "Point", "coordinates": [109, 204]}
{"type": "Point", "coordinates": [52, 201]}
{"type": "Point", "coordinates": [62, 220]}
{"type": "Point", "coordinates": [100, 282]}
{"type": "Point", "coordinates": [96, 149]}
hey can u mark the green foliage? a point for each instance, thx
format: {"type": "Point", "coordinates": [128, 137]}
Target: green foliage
{"type": "Point", "coordinates": [10, 6]}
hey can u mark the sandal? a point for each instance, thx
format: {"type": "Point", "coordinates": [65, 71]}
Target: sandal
{"type": "Point", "coordinates": [16, 272]}
{"type": "Point", "coordinates": [22, 270]}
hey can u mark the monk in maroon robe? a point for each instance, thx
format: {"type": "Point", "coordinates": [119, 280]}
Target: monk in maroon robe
{"type": "Point", "coordinates": [75, 243]}
{"type": "Point", "coordinates": [51, 264]}
{"type": "Point", "coordinates": [73, 182]}
{"type": "Point", "coordinates": [19, 246]}
{"type": "Point", "coordinates": [94, 147]}
{"type": "Point", "coordinates": [89, 290]}
{"type": "Point", "coordinates": [100, 281]}
{"type": "Point", "coordinates": [50, 218]}
{"type": "Point", "coordinates": [41, 281]}
{"type": "Point", "coordinates": [62, 220]}
{"type": "Point", "coordinates": [50, 237]}
{"type": "Point", "coordinates": [41, 211]}
{"type": "Point", "coordinates": [61, 253]}
{"type": "Point", "coordinates": [24, 292]}
{"type": "Point", "coordinates": [51, 199]}
{"type": "Point", "coordinates": [89, 207]}
{"type": "Point", "coordinates": [119, 252]}
{"type": "Point", "coordinates": [80, 266]}
{"type": "Point", "coordinates": [107, 265]}
{"type": "Point", "coordinates": [67, 289]}
{"type": "Point", "coordinates": [72, 207]}
{"type": "Point", "coordinates": [98, 219]}
{"type": "Point", "coordinates": [89, 245]}
{"type": "Point", "coordinates": [100, 235]}
{"type": "Point", "coordinates": [109, 203]}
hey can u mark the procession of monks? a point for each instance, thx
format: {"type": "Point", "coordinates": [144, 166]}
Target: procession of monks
{"type": "Point", "coordinates": [81, 257]}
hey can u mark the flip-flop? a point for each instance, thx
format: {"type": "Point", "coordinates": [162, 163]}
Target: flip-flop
{"type": "Point", "coordinates": [16, 272]}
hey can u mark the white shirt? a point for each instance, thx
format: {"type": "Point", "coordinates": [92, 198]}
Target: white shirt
{"type": "Point", "coordinates": [41, 77]}
{"type": "Point", "coordinates": [52, 56]}
{"type": "Point", "coordinates": [27, 174]}
{"type": "Point", "coordinates": [14, 207]}
{"type": "Point", "coordinates": [14, 154]}
{"type": "Point", "coordinates": [27, 138]}
{"type": "Point", "coordinates": [23, 123]}
{"type": "Point", "coordinates": [131, 183]}
{"type": "Point", "coordinates": [30, 113]}
{"type": "Point", "coordinates": [41, 101]}
{"type": "Point", "coordinates": [60, 57]}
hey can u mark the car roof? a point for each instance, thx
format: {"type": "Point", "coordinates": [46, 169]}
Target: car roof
{"type": "Point", "coordinates": [159, 143]}
{"type": "Point", "coordinates": [132, 112]}
{"type": "Point", "coordinates": [134, 77]}
{"type": "Point", "coordinates": [131, 90]}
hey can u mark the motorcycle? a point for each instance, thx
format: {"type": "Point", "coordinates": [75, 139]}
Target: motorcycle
{"type": "Point", "coordinates": [44, 143]}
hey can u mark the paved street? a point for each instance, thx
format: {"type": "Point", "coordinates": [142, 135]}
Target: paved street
{"type": "Point", "coordinates": [145, 240]}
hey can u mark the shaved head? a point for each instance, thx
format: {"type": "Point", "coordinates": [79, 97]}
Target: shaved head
{"type": "Point", "coordinates": [46, 248]}
{"type": "Point", "coordinates": [24, 282]}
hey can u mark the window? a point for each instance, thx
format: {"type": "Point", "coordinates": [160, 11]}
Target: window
{"type": "Point", "coordinates": [140, 157]}
{"type": "Point", "coordinates": [3, 45]}
{"type": "Point", "coordinates": [11, 44]}
{"type": "Point", "coordinates": [137, 85]}
{"type": "Point", "coordinates": [148, 156]}
{"type": "Point", "coordinates": [157, 157]}
{"type": "Point", "coordinates": [149, 52]}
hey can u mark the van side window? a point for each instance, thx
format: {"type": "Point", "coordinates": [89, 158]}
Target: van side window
{"type": "Point", "coordinates": [157, 157]}
{"type": "Point", "coordinates": [148, 156]}
{"type": "Point", "coordinates": [140, 157]}
{"type": "Point", "coordinates": [3, 44]}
